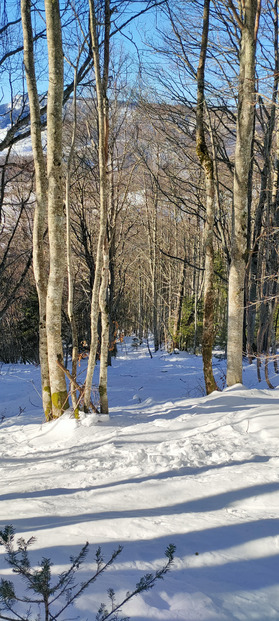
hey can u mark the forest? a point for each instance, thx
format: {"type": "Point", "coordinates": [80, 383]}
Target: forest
{"type": "Point", "coordinates": [139, 177]}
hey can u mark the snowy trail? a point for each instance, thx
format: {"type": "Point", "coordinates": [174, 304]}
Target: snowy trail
{"type": "Point", "coordinates": [167, 467]}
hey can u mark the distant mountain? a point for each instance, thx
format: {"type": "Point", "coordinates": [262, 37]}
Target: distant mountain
{"type": "Point", "coordinates": [14, 122]}
{"type": "Point", "coordinates": [9, 116]}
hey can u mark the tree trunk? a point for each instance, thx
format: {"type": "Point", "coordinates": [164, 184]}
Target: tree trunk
{"type": "Point", "coordinates": [56, 219]}
{"type": "Point", "coordinates": [265, 175]}
{"type": "Point", "coordinates": [245, 122]}
{"type": "Point", "coordinates": [178, 307]}
{"type": "Point", "coordinates": [39, 263]}
{"type": "Point", "coordinates": [140, 302]}
{"type": "Point", "coordinates": [105, 331]}
{"type": "Point", "coordinates": [154, 271]}
{"type": "Point", "coordinates": [103, 130]}
{"type": "Point", "coordinates": [270, 275]}
{"type": "Point", "coordinates": [151, 226]}
{"type": "Point", "coordinates": [207, 165]}
{"type": "Point", "coordinates": [71, 313]}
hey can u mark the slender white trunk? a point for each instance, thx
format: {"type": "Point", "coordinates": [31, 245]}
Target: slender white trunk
{"type": "Point", "coordinates": [103, 129]}
{"type": "Point", "coordinates": [154, 272]}
{"type": "Point", "coordinates": [56, 218]}
{"type": "Point", "coordinates": [245, 123]}
{"type": "Point", "coordinates": [207, 165]}
{"type": "Point", "coordinates": [39, 263]}
{"type": "Point", "coordinates": [105, 331]}
{"type": "Point", "coordinates": [71, 313]}
{"type": "Point", "coordinates": [179, 301]}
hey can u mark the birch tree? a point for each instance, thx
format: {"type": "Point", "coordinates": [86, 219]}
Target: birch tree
{"type": "Point", "coordinates": [207, 165]}
{"type": "Point", "coordinates": [56, 219]}
{"type": "Point", "coordinates": [39, 263]}
{"type": "Point", "coordinates": [49, 199]}
{"type": "Point", "coordinates": [184, 57]}
{"type": "Point", "coordinates": [267, 116]}
{"type": "Point", "coordinates": [101, 70]}
{"type": "Point", "coordinates": [71, 313]}
{"type": "Point", "coordinates": [247, 21]}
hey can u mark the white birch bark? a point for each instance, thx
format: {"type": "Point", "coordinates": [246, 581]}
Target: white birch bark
{"type": "Point", "coordinates": [56, 219]}
{"type": "Point", "coordinates": [207, 165]}
{"type": "Point", "coordinates": [103, 378]}
{"type": "Point", "coordinates": [103, 128]}
{"type": "Point", "coordinates": [39, 262]}
{"type": "Point", "coordinates": [248, 24]}
{"type": "Point", "coordinates": [154, 270]}
{"type": "Point", "coordinates": [178, 305]}
{"type": "Point", "coordinates": [70, 305]}
{"type": "Point", "coordinates": [269, 138]}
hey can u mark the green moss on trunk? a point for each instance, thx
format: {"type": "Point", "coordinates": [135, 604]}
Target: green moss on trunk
{"type": "Point", "coordinates": [47, 403]}
{"type": "Point", "coordinates": [60, 403]}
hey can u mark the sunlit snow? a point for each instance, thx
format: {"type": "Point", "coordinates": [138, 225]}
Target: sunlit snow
{"type": "Point", "coordinates": [170, 465]}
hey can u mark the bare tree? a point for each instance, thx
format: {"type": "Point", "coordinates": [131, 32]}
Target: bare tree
{"type": "Point", "coordinates": [39, 263]}
{"type": "Point", "coordinates": [207, 164]}
{"type": "Point", "coordinates": [247, 21]}
{"type": "Point", "coordinates": [49, 194]}
{"type": "Point", "coordinates": [101, 70]}
{"type": "Point", "coordinates": [266, 122]}
{"type": "Point", "coordinates": [56, 218]}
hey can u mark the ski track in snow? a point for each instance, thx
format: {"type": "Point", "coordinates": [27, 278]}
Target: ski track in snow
{"type": "Point", "coordinates": [167, 466]}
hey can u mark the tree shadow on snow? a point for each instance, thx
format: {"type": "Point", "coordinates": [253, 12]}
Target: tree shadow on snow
{"type": "Point", "coordinates": [212, 503]}
{"type": "Point", "coordinates": [221, 572]}
{"type": "Point", "coordinates": [166, 474]}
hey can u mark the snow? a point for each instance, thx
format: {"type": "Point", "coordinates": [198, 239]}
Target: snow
{"type": "Point", "coordinates": [170, 465]}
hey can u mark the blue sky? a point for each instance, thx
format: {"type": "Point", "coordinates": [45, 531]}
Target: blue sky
{"type": "Point", "coordinates": [132, 40]}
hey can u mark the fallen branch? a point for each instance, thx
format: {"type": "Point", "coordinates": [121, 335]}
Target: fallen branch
{"type": "Point", "coordinates": [76, 385]}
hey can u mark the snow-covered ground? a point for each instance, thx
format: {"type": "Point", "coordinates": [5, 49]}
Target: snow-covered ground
{"type": "Point", "coordinates": [170, 465]}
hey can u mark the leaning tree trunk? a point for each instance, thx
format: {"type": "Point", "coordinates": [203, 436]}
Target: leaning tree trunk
{"type": "Point", "coordinates": [39, 264]}
{"type": "Point", "coordinates": [56, 219]}
{"type": "Point", "coordinates": [207, 165]}
{"type": "Point", "coordinates": [248, 25]}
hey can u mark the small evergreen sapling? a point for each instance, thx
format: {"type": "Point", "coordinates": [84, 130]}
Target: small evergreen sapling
{"type": "Point", "coordinates": [50, 598]}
